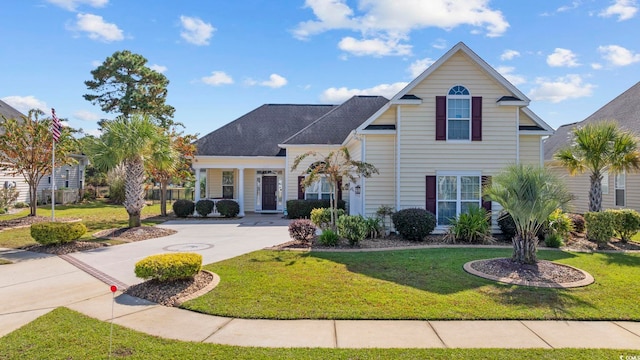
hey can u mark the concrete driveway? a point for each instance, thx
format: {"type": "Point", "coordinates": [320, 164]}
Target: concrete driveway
{"type": "Point", "coordinates": [215, 240]}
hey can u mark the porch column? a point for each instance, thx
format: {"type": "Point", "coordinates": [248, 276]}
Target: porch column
{"type": "Point", "coordinates": [241, 190]}
{"type": "Point", "coordinates": [196, 196]}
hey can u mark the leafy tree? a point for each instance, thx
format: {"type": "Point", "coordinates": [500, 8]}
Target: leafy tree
{"type": "Point", "coordinates": [337, 166]}
{"type": "Point", "coordinates": [26, 149]}
{"type": "Point", "coordinates": [171, 161]}
{"type": "Point", "coordinates": [130, 142]}
{"type": "Point", "coordinates": [529, 194]}
{"type": "Point", "coordinates": [123, 84]}
{"type": "Point", "coordinates": [597, 148]}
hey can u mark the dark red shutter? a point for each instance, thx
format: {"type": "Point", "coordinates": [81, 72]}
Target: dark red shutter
{"type": "Point", "coordinates": [431, 194]}
{"type": "Point", "coordinates": [476, 118]}
{"type": "Point", "coordinates": [300, 188]}
{"type": "Point", "coordinates": [486, 203]}
{"type": "Point", "coordinates": [339, 190]}
{"type": "Point", "coordinates": [441, 118]}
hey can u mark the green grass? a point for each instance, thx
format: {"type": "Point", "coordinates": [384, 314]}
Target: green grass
{"type": "Point", "coordinates": [412, 284]}
{"type": "Point", "coordinates": [95, 215]}
{"type": "Point", "coordinates": [5, 262]}
{"type": "Point", "coordinates": [65, 334]}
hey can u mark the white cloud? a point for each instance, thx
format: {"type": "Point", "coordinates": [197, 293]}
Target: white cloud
{"type": "Point", "coordinates": [419, 66]}
{"type": "Point", "coordinates": [618, 56]}
{"type": "Point", "coordinates": [85, 115]}
{"type": "Point", "coordinates": [562, 57]}
{"type": "Point", "coordinates": [507, 72]}
{"type": "Point", "coordinates": [394, 20]}
{"type": "Point", "coordinates": [596, 66]}
{"type": "Point", "coordinates": [623, 9]}
{"type": "Point", "coordinates": [96, 63]}
{"type": "Point", "coordinates": [93, 132]}
{"type": "Point", "coordinates": [97, 28]}
{"type": "Point", "coordinates": [440, 44]}
{"type": "Point", "coordinates": [509, 54]}
{"type": "Point", "coordinates": [567, 87]}
{"type": "Point", "coordinates": [26, 103]}
{"type": "Point", "coordinates": [71, 5]}
{"type": "Point", "coordinates": [574, 5]}
{"type": "Point", "coordinates": [196, 31]}
{"type": "Point", "coordinates": [217, 78]}
{"type": "Point", "coordinates": [338, 95]}
{"type": "Point", "coordinates": [275, 81]}
{"type": "Point", "coordinates": [375, 47]}
{"type": "Point", "coordinates": [159, 68]}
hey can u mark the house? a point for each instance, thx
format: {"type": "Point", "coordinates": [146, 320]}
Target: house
{"type": "Point", "coordinates": [618, 190]}
{"type": "Point", "coordinates": [434, 143]}
{"type": "Point", "coordinates": [70, 177]}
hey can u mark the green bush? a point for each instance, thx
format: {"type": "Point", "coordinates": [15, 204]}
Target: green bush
{"type": "Point", "coordinates": [578, 222]}
{"type": "Point", "coordinates": [204, 207]}
{"type": "Point", "coordinates": [599, 226]}
{"type": "Point", "coordinates": [328, 238]}
{"type": "Point", "coordinates": [301, 209]}
{"type": "Point", "coordinates": [228, 208]}
{"type": "Point", "coordinates": [20, 205]}
{"type": "Point", "coordinates": [507, 225]}
{"type": "Point", "coordinates": [374, 229]}
{"type": "Point", "coordinates": [49, 233]}
{"type": "Point", "coordinates": [167, 267]}
{"type": "Point", "coordinates": [553, 240]}
{"type": "Point", "coordinates": [352, 228]}
{"type": "Point", "coordinates": [116, 191]}
{"type": "Point", "coordinates": [626, 223]}
{"type": "Point", "coordinates": [302, 230]}
{"type": "Point", "coordinates": [474, 226]}
{"type": "Point", "coordinates": [183, 208]}
{"type": "Point", "coordinates": [321, 217]}
{"type": "Point", "coordinates": [414, 224]}
{"type": "Point", "coordinates": [560, 224]}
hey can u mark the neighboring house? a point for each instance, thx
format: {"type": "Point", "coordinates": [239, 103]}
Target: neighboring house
{"type": "Point", "coordinates": [67, 177]}
{"type": "Point", "coordinates": [618, 190]}
{"type": "Point", "coordinates": [434, 143]}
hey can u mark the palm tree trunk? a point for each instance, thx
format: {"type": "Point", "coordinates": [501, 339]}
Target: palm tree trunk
{"type": "Point", "coordinates": [595, 192]}
{"type": "Point", "coordinates": [163, 197]}
{"type": "Point", "coordinates": [133, 190]}
{"type": "Point", "coordinates": [525, 248]}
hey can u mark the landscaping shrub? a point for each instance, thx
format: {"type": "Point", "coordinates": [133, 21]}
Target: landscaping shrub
{"type": "Point", "coordinates": [167, 267]}
{"type": "Point", "coordinates": [302, 230]}
{"type": "Point", "coordinates": [626, 223]}
{"type": "Point", "coordinates": [474, 226]}
{"type": "Point", "coordinates": [183, 208]}
{"type": "Point", "coordinates": [374, 229]}
{"type": "Point", "coordinates": [20, 205]}
{"type": "Point", "coordinates": [507, 225]}
{"type": "Point", "coordinates": [301, 209]}
{"type": "Point", "coordinates": [228, 208]}
{"type": "Point", "coordinates": [49, 233]}
{"type": "Point", "coordinates": [559, 224]}
{"type": "Point", "coordinates": [414, 224]}
{"type": "Point", "coordinates": [8, 195]}
{"type": "Point", "coordinates": [578, 222]}
{"type": "Point", "coordinates": [553, 240]}
{"type": "Point", "coordinates": [204, 207]}
{"type": "Point", "coordinates": [599, 226]}
{"type": "Point", "coordinates": [328, 238]}
{"type": "Point", "coordinates": [321, 217]}
{"type": "Point", "coordinates": [352, 228]}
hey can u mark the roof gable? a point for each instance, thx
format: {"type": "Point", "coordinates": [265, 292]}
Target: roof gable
{"type": "Point", "coordinates": [9, 112]}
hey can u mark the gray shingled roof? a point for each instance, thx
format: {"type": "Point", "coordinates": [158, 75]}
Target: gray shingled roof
{"type": "Point", "coordinates": [625, 109]}
{"type": "Point", "coordinates": [9, 112]}
{"type": "Point", "coordinates": [334, 127]}
{"type": "Point", "coordinates": [259, 132]}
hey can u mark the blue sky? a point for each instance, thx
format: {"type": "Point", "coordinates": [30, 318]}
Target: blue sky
{"type": "Point", "coordinates": [225, 58]}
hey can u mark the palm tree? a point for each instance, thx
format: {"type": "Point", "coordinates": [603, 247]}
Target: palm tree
{"type": "Point", "coordinates": [130, 142]}
{"type": "Point", "coordinates": [597, 148]}
{"type": "Point", "coordinates": [529, 194]}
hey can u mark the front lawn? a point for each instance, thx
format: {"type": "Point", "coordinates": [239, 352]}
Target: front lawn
{"type": "Point", "coordinates": [413, 284]}
{"type": "Point", "coordinates": [96, 215]}
{"type": "Point", "coordinates": [65, 334]}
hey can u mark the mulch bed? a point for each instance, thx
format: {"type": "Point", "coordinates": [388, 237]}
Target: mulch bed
{"type": "Point", "coordinates": [545, 272]}
{"type": "Point", "coordinates": [169, 293]}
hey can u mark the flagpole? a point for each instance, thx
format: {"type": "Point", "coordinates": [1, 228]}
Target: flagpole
{"type": "Point", "coordinates": [53, 182]}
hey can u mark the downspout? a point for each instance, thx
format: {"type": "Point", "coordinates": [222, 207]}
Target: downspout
{"type": "Point", "coordinates": [517, 135]}
{"type": "Point", "coordinates": [541, 152]}
{"type": "Point", "coordinates": [286, 182]}
{"type": "Point", "coordinates": [397, 139]}
{"type": "Point", "coordinates": [363, 192]}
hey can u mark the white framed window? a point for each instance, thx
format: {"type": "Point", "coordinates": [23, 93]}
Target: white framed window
{"type": "Point", "coordinates": [604, 185]}
{"type": "Point", "coordinates": [319, 190]}
{"type": "Point", "coordinates": [620, 185]}
{"type": "Point", "coordinates": [66, 177]}
{"type": "Point", "coordinates": [456, 194]}
{"type": "Point", "coordinates": [227, 184]}
{"type": "Point", "coordinates": [458, 113]}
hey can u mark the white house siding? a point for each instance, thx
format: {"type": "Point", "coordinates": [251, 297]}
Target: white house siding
{"type": "Point", "coordinates": [388, 118]}
{"type": "Point", "coordinates": [526, 120]}
{"type": "Point", "coordinates": [421, 154]}
{"type": "Point", "coordinates": [249, 189]}
{"type": "Point", "coordinates": [292, 176]}
{"type": "Point", "coordinates": [214, 183]}
{"type": "Point", "coordinates": [380, 188]}
{"type": "Point", "coordinates": [530, 149]}
{"type": "Point", "coordinates": [20, 184]}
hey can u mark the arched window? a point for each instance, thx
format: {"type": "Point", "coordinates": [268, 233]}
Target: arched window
{"type": "Point", "coordinates": [458, 113]}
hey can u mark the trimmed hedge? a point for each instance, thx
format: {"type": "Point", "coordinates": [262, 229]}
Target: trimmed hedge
{"type": "Point", "coordinates": [626, 223]}
{"type": "Point", "coordinates": [228, 208]}
{"type": "Point", "coordinates": [414, 224]}
{"type": "Point", "coordinates": [48, 233]}
{"type": "Point", "coordinates": [600, 226]}
{"type": "Point", "coordinates": [204, 207]}
{"type": "Point", "coordinates": [167, 267]}
{"type": "Point", "coordinates": [301, 209]}
{"type": "Point", "coordinates": [183, 208]}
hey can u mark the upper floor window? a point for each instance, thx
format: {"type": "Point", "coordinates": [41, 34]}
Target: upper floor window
{"type": "Point", "coordinates": [458, 113]}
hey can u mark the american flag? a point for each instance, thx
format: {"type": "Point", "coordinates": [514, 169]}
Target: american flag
{"type": "Point", "coordinates": [56, 127]}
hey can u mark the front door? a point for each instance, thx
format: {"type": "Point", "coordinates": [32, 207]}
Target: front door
{"type": "Point", "coordinates": [269, 188]}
